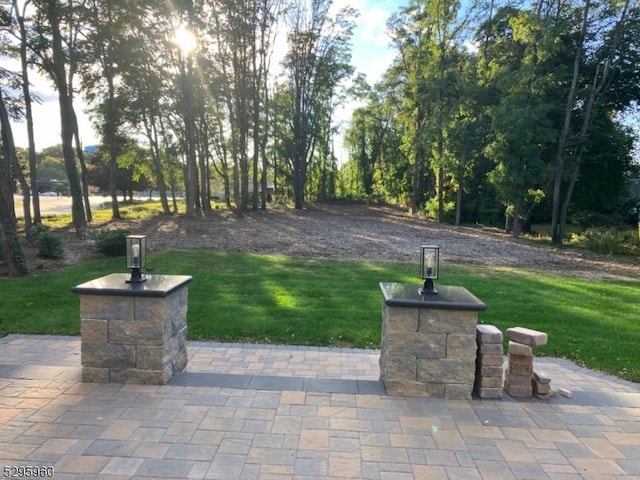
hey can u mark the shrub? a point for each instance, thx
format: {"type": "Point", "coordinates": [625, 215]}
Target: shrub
{"type": "Point", "coordinates": [112, 242]}
{"type": "Point", "coordinates": [607, 241]}
{"type": "Point", "coordinates": [49, 243]}
{"type": "Point", "coordinates": [588, 219]}
{"type": "Point", "coordinates": [449, 210]}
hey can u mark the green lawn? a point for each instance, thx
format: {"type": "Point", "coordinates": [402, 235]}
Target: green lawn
{"type": "Point", "coordinates": [276, 299]}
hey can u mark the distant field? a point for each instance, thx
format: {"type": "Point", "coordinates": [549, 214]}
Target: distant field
{"type": "Point", "coordinates": [58, 205]}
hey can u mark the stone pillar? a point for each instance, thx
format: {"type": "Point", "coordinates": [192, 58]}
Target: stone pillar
{"type": "Point", "coordinates": [428, 342]}
{"type": "Point", "coordinates": [133, 332]}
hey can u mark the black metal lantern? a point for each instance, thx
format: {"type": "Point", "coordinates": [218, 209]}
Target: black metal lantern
{"type": "Point", "coordinates": [136, 257]}
{"type": "Point", "coordinates": [429, 266]}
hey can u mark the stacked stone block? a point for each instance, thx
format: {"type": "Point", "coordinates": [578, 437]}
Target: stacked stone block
{"type": "Point", "coordinates": [541, 384]}
{"type": "Point", "coordinates": [489, 362]}
{"type": "Point", "coordinates": [428, 352]}
{"type": "Point", "coordinates": [519, 378]}
{"type": "Point", "coordinates": [133, 339]}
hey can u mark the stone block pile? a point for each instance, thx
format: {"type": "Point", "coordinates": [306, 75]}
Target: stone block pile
{"type": "Point", "coordinates": [520, 379]}
{"type": "Point", "coordinates": [489, 362]}
{"type": "Point", "coordinates": [541, 384]}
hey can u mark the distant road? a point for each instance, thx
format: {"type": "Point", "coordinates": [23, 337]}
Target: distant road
{"type": "Point", "coordinates": [50, 205]}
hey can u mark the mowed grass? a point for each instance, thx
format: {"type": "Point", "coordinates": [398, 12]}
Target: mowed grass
{"type": "Point", "coordinates": [277, 299]}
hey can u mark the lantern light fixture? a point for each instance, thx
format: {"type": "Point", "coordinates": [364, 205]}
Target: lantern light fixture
{"type": "Point", "coordinates": [429, 267]}
{"type": "Point", "coordinates": [136, 257]}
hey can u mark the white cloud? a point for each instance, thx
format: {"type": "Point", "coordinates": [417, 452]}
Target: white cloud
{"type": "Point", "coordinates": [372, 25]}
{"type": "Point", "coordinates": [372, 51]}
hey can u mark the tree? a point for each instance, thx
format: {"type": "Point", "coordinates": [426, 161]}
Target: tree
{"type": "Point", "coordinates": [9, 241]}
{"type": "Point", "coordinates": [317, 60]}
{"type": "Point", "coordinates": [106, 43]}
{"type": "Point", "coordinates": [467, 134]}
{"type": "Point", "coordinates": [145, 97]}
{"type": "Point", "coordinates": [614, 56]}
{"type": "Point", "coordinates": [523, 66]}
{"type": "Point", "coordinates": [377, 164]}
{"type": "Point", "coordinates": [54, 57]}
{"type": "Point", "coordinates": [365, 139]}
{"type": "Point", "coordinates": [241, 38]}
{"type": "Point", "coordinates": [429, 38]}
{"type": "Point", "coordinates": [23, 36]}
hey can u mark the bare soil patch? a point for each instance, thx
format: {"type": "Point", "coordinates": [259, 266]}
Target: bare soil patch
{"type": "Point", "coordinates": [347, 231]}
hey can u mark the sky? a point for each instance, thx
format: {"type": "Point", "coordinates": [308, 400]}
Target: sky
{"type": "Point", "coordinates": [371, 55]}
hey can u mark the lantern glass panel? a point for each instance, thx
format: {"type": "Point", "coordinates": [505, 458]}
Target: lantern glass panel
{"type": "Point", "coordinates": [429, 262]}
{"type": "Point", "coordinates": [136, 251]}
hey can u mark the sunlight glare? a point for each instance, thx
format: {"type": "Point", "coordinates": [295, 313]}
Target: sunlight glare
{"type": "Point", "coordinates": [185, 39]}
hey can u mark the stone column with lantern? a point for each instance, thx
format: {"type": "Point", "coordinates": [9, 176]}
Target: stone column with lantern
{"type": "Point", "coordinates": [428, 336]}
{"type": "Point", "coordinates": [133, 327]}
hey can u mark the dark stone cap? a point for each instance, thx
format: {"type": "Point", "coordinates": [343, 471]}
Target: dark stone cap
{"type": "Point", "coordinates": [116, 285]}
{"type": "Point", "coordinates": [447, 298]}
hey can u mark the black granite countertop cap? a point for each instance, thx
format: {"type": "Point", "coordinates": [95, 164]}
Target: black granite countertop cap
{"type": "Point", "coordinates": [116, 284]}
{"type": "Point", "coordinates": [447, 298]}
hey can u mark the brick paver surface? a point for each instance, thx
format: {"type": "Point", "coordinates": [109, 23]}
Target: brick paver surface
{"type": "Point", "coordinates": [114, 431]}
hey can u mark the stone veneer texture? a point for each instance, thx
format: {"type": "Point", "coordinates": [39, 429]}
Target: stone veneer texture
{"type": "Point", "coordinates": [428, 352]}
{"type": "Point", "coordinates": [130, 339]}
{"type": "Point", "coordinates": [489, 362]}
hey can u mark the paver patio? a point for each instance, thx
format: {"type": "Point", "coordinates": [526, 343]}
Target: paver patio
{"type": "Point", "coordinates": [276, 412]}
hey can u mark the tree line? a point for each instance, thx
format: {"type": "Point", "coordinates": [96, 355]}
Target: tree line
{"type": "Point", "coordinates": [182, 92]}
{"type": "Point", "coordinates": [490, 106]}
{"type": "Point", "coordinates": [503, 107]}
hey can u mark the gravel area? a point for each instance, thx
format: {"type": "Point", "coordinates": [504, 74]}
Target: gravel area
{"type": "Point", "coordinates": [377, 233]}
{"type": "Point", "coordinates": [347, 231]}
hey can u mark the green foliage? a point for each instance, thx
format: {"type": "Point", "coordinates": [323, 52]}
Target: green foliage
{"type": "Point", "coordinates": [606, 241]}
{"type": "Point", "coordinates": [51, 168]}
{"type": "Point", "coordinates": [449, 210]}
{"type": "Point", "coordinates": [111, 242]}
{"type": "Point", "coordinates": [589, 218]}
{"type": "Point", "coordinates": [484, 121]}
{"type": "Point", "coordinates": [50, 244]}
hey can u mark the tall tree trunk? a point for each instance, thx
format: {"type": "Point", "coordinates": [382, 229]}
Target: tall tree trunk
{"type": "Point", "coordinates": [577, 160]}
{"type": "Point", "coordinates": [256, 88]}
{"type": "Point", "coordinates": [458, 206]}
{"type": "Point", "coordinates": [113, 149]}
{"type": "Point", "coordinates": [263, 149]}
{"type": "Point", "coordinates": [152, 136]}
{"type": "Point", "coordinates": [596, 91]}
{"type": "Point", "coordinates": [417, 182]}
{"type": "Point", "coordinates": [517, 218]}
{"type": "Point", "coordinates": [203, 160]}
{"type": "Point", "coordinates": [556, 230]}
{"type": "Point", "coordinates": [33, 176]}
{"type": "Point", "coordinates": [191, 182]}
{"type": "Point", "coordinates": [440, 192]}
{"type": "Point", "coordinates": [460, 193]}
{"type": "Point", "coordinates": [84, 171]}
{"type": "Point", "coordinates": [67, 118]}
{"type": "Point", "coordinates": [256, 151]}
{"type": "Point", "coordinates": [9, 240]}
{"type": "Point", "coordinates": [223, 155]}
{"type": "Point", "coordinates": [193, 208]}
